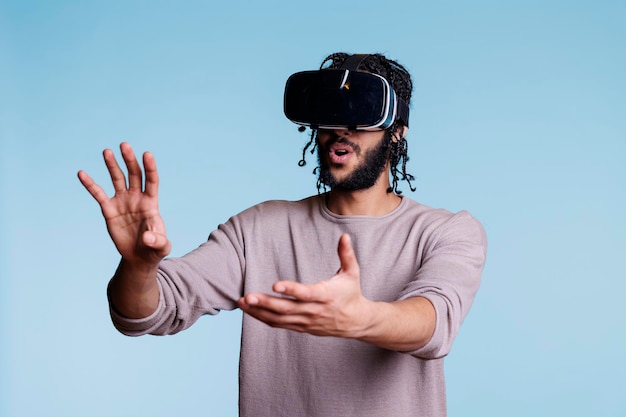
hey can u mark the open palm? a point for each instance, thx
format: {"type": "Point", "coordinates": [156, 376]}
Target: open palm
{"type": "Point", "coordinates": [132, 214]}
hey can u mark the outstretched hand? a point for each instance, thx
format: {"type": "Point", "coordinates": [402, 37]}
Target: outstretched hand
{"type": "Point", "coordinates": [132, 214]}
{"type": "Point", "coordinates": [335, 307]}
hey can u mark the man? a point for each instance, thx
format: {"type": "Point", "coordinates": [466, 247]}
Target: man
{"type": "Point", "coordinates": [352, 297]}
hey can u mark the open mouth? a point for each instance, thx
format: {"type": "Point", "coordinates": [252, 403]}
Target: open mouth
{"type": "Point", "coordinates": [339, 153]}
{"type": "Point", "coordinates": [340, 149]}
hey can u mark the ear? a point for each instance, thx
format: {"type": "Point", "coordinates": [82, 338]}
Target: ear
{"type": "Point", "coordinates": [400, 132]}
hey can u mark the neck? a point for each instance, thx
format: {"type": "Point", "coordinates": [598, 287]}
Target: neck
{"type": "Point", "coordinates": [373, 201]}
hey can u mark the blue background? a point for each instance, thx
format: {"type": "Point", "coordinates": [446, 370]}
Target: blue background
{"type": "Point", "coordinates": [518, 116]}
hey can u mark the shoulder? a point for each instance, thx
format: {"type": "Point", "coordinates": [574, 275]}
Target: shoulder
{"type": "Point", "coordinates": [442, 224]}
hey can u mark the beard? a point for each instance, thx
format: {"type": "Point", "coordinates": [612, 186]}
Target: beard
{"type": "Point", "coordinates": [364, 175]}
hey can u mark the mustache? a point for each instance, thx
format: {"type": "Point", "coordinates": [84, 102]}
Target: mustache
{"type": "Point", "coordinates": [335, 138]}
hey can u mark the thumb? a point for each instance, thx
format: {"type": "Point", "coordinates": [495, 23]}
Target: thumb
{"type": "Point", "coordinates": [347, 257]}
{"type": "Point", "coordinates": [157, 242]}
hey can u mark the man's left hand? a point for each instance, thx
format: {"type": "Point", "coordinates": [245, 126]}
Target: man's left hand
{"type": "Point", "coordinates": [334, 307]}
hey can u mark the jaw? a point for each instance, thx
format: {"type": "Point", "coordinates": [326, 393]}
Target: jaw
{"type": "Point", "coordinates": [351, 178]}
{"type": "Point", "coordinates": [344, 165]}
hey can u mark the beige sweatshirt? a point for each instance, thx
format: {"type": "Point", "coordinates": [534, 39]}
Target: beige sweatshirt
{"type": "Point", "coordinates": [414, 250]}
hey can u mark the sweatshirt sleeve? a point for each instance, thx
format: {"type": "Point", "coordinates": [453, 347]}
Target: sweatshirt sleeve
{"type": "Point", "coordinates": [449, 277]}
{"type": "Point", "coordinates": [204, 281]}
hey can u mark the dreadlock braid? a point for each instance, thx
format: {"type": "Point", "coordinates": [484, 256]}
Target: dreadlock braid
{"type": "Point", "coordinates": [398, 155]}
{"type": "Point", "coordinates": [312, 141]}
{"type": "Point", "coordinates": [400, 80]}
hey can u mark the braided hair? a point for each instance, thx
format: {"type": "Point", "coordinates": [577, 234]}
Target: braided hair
{"type": "Point", "coordinates": [400, 80]}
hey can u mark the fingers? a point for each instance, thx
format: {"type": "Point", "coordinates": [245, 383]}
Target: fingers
{"type": "Point", "coordinates": [324, 291]}
{"type": "Point", "coordinates": [94, 189]}
{"type": "Point", "coordinates": [117, 176]}
{"type": "Point", "coordinates": [276, 310]}
{"type": "Point", "coordinates": [302, 292]}
{"type": "Point", "coordinates": [330, 307]}
{"type": "Point", "coordinates": [152, 175]}
{"type": "Point", "coordinates": [135, 176]}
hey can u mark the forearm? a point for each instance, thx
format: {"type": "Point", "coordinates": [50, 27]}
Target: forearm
{"type": "Point", "coordinates": [134, 291]}
{"type": "Point", "coordinates": [404, 325]}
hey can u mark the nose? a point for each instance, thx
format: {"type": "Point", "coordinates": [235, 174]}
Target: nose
{"type": "Point", "coordinates": [343, 133]}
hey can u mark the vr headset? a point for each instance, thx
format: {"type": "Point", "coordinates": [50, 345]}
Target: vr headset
{"type": "Point", "coordinates": [343, 98]}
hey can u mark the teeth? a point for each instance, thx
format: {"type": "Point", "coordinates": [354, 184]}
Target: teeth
{"type": "Point", "coordinates": [340, 152]}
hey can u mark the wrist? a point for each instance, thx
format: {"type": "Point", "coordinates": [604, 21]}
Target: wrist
{"type": "Point", "coordinates": [137, 266]}
{"type": "Point", "coordinates": [366, 318]}
{"type": "Point", "coordinates": [133, 290]}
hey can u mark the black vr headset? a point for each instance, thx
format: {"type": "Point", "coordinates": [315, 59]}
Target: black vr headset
{"type": "Point", "coordinates": [343, 98]}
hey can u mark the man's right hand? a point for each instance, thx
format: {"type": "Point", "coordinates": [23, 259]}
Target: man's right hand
{"type": "Point", "coordinates": [132, 214]}
{"type": "Point", "coordinates": [136, 228]}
